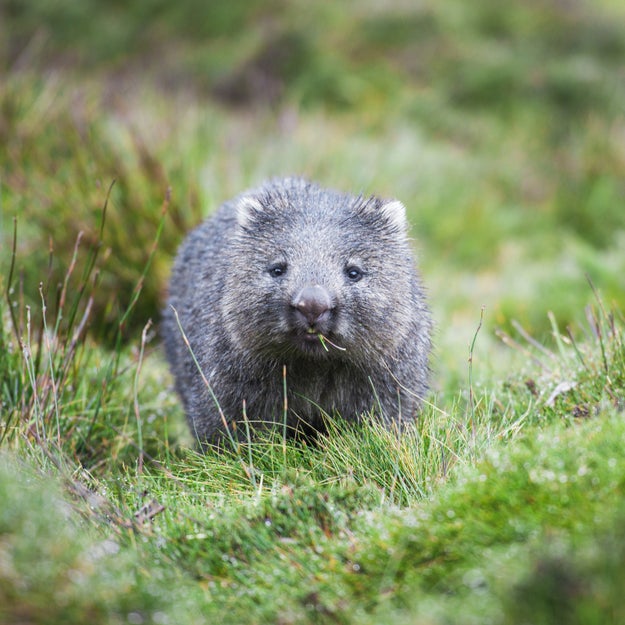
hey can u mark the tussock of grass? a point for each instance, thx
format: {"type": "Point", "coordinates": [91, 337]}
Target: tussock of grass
{"type": "Point", "coordinates": [61, 392]}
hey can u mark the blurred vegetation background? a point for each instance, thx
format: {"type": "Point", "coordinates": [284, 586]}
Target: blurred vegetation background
{"type": "Point", "coordinates": [502, 128]}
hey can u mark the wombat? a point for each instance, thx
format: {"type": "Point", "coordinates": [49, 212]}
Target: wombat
{"type": "Point", "coordinates": [299, 304]}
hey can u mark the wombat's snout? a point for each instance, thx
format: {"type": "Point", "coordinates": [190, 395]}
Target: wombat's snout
{"type": "Point", "coordinates": [313, 304]}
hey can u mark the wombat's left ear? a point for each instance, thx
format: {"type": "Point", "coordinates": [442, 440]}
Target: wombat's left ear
{"type": "Point", "coordinates": [248, 208]}
{"type": "Point", "coordinates": [395, 212]}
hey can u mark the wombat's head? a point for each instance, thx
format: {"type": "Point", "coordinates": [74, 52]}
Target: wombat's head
{"type": "Point", "coordinates": [318, 274]}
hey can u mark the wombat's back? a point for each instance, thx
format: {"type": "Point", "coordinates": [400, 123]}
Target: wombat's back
{"type": "Point", "coordinates": [293, 277]}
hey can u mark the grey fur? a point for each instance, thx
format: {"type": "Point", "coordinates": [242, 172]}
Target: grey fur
{"type": "Point", "coordinates": [256, 284]}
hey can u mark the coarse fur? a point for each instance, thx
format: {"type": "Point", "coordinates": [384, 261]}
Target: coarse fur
{"type": "Point", "coordinates": [291, 277]}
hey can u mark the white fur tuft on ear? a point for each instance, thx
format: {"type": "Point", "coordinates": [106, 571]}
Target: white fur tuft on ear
{"type": "Point", "coordinates": [395, 212]}
{"type": "Point", "coordinates": [245, 209]}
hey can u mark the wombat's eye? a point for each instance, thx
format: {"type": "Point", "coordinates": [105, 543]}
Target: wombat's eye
{"type": "Point", "coordinates": [353, 273]}
{"type": "Point", "coordinates": [277, 270]}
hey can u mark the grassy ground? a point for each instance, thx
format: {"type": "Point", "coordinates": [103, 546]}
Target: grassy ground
{"type": "Point", "coordinates": [502, 131]}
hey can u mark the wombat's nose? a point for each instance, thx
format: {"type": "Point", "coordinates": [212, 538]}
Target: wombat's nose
{"type": "Point", "coordinates": [313, 302]}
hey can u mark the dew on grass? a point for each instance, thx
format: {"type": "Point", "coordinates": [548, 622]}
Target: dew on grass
{"type": "Point", "coordinates": [160, 618]}
{"type": "Point", "coordinates": [77, 577]}
{"type": "Point", "coordinates": [105, 548]}
{"type": "Point", "coordinates": [474, 579]}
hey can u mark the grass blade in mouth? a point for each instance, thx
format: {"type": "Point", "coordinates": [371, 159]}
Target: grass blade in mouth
{"type": "Point", "coordinates": [324, 339]}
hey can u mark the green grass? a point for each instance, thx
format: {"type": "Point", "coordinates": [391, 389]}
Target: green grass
{"type": "Point", "coordinates": [502, 133]}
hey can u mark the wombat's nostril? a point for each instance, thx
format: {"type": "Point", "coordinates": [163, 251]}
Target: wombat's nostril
{"type": "Point", "coordinates": [313, 302]}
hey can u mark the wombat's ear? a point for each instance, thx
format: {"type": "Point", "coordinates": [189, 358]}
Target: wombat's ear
{"type": "Point", "coordinates": [247, 209]}
{"type": "Point", "coordinates": [395, 212]}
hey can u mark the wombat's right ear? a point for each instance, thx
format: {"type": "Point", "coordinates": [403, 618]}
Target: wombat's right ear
{"type": "Point", "coordinates": [395, 212]}
{"type": "Point", "coordinates": [247, 209]}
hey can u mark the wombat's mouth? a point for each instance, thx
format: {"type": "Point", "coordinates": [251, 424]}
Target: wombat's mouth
{"type": "Point", "coordinates": [309, 338]}
{"type": "Point", "coordinates": [313, 341]}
